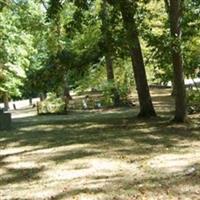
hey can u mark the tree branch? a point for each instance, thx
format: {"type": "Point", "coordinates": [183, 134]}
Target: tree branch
{"type": "Point", "coordinates": [44, 5]}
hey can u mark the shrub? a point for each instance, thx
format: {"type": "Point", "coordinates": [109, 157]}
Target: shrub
{"type": "Point", "coordinates": [107, 91]}
{"type": "Point", "coordinates": [193, 101]}
{"type": "Point", "coordinates": [51, 104]}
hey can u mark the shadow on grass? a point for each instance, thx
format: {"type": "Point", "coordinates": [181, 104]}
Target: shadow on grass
{"type": "Point", "coordinates": [96, 129]}
{"type": "Point", "coordinates": [119, 131]}
{"type": "Point", "coordinates": [18, 175]}
{"type": "Point", "coordinates": [156, 186]}
{"type": "Point", "coordinates": [70, 155]}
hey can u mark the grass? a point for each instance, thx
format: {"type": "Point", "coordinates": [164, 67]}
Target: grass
{"type": "Point", "coordinates": [107, 154]}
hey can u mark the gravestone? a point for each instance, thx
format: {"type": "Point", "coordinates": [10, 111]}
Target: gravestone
{"type": "Point", "coordinates": [5, 120]}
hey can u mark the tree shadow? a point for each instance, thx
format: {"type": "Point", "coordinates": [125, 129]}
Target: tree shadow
{"type": "Point", "coordinates": [73, 154]}
{"type": "Point", "coordinates": [17, 175]}
{"type": "Point", "coordinates": [154, 186]}
{"type": "Point", "coordinates": [118, 131]}
{"type": "Point", "coordinates": [102, 129]}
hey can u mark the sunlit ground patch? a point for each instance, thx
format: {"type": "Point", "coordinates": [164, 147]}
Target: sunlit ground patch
{"type": "Point", "coordinates": [170, 163]}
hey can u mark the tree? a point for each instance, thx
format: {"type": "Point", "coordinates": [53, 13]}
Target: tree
{"type": "Point", "coordinates": [191, 38]}
{"type": "Point", "coordinates": [155, 29]}
{"type": "Point", "coordinates": [128, 10]}
{"type": "Point", "coordinates": [175, 13]}
{"type": "Point", "coordinates": [16, 49]}
{"type": "Point", "coordinates": [108, 49]}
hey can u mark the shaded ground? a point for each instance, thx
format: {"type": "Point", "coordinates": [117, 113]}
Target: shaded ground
{"type": "Point", "coordinates": [101, 155]}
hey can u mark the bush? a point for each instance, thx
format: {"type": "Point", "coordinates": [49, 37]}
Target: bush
{"type": "Point", "coordinates": [193, 101]}
{"type": "Point", "coordinates": [107, 91]}
{"type": "Point", "coordinates": [51, 104]}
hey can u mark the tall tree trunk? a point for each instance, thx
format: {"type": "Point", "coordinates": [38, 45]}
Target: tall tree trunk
{"type": "Point", "coordinates": [108, 49]}
{"type": "Point", "coordinates": [146, 106]}
{"type": "Point", "coordinates": [167, 8]}
{"type": "Point", "coordinates": [179, 85]}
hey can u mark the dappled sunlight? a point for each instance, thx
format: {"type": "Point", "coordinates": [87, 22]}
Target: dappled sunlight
{"type": "Point", "coordinates": [171, 163]}
{"type": "Point", "coordinates": [48, 127]}
{"type": "Point", "coordinates": [44, 128]}
{"type": "Point", "coordinates": [28, 112]}
{"type": "Point", "coordinates": [95, 174]}
{"type": "Point", "coordinates": [62, 173]}
{"type": "Point", "coordinates": [2, 171]}
{"type": "Point", "coordinates": [98, 155]}
{"type": "Point", "coordinates": [94, 100]}
{"type": "Point", "coordinates": [22, 165]}
{"type": "Point", "coordinates": [3, 139]}
{"type": "Point", "coordinates": [111, 166]}
{"type": "Point", "coordinates": [155, 137]}
{"type": "Point", "coordinates": [11, 149]}
{"type": "Point", "coordinates": [92, 126]}
{"type": "Point", "coordinates": [161, 92]}
{"type": "Point", "coordinates": [147, 129]}
{"type": "Point", "coordinates": [16, 176]}
{"type": "Point", "coordinates": [11, 158]}
{"type": "Point", "coordinates": [57, 150]}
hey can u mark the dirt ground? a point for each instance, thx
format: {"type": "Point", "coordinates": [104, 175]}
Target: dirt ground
{"type": "Point", "coordinates": [104, 155]}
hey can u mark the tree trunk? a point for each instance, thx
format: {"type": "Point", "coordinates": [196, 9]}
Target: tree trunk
{"type": "Point", "coordinates": [146, 106]}
{"type": "Point", "coordinates": [66, 94]}
{"type": "Point", "coordinates": [42, 96]}
{"type": "Point", "coordinates": [179, 85]}
{"type": "Point", "coordinates": [6, 101]}
{"type": "Point", "coordinates": [30, 101]}
{"type": "Point", "coordinates": [111, 79]}
{"type": "Point", "coordinates": [173, 93]}
{"type": "Point", "coordinates": [67, 91]}
{"type": "Point", "coordinates": [108, 49]}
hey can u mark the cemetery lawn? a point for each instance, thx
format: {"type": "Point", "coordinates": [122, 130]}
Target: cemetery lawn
{"type": "Point", "coordinates": [104, 154]}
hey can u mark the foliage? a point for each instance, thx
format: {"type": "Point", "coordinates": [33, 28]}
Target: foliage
{"type": "Point", "coordinates": [96, 78]}
{"type": "Point", "coordinates": [16, 49]}
{"type": "Point", "coordinates": [193, 99]}
{"type": "Point", "coordinates": [156, 34]}
{"type": "Point", "coordinates": [51, 104]}
{"type": "Point", "coordinates": [48, 44]}
{"type": "Point", "coordinates": [23, 46]}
